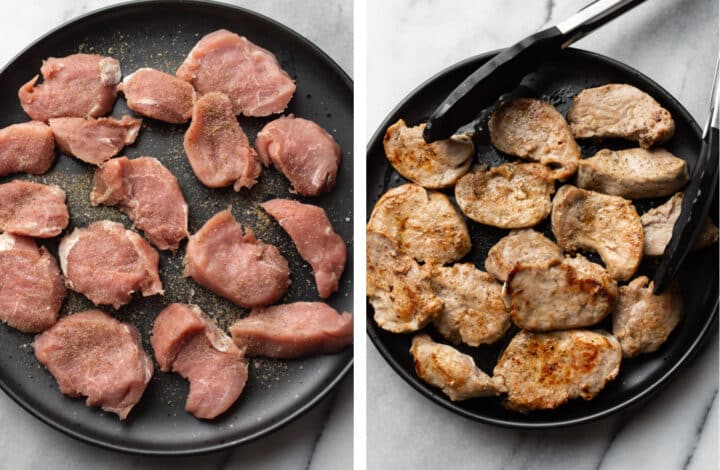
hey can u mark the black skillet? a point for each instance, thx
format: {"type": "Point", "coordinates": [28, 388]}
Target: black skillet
{"type": "Point", "coordinates": [160, 34]}
{"type": "Point", "coordinates": [556, 81]}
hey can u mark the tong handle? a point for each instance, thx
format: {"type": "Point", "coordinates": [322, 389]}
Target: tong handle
{"type": "Point", "coordinates": [592, 17]}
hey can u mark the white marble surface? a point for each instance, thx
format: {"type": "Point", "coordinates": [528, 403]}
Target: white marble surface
{"type": "Point", "coordinates": [322, 439]}
{"type": "Point", "coordinates": [672, 41]}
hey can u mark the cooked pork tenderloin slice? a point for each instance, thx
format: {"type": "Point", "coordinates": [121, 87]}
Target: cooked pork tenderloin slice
{"type": "Point", "coordinates": [227, 259]}
{"type": "Point", "coordinates": [91, 354]}
{"type": "Point", "coordinates": [217, 148]}
{"type": "Point", "coordinates": [94, 141]}
{"type": "Point", "coordinates": [148, 193]}
{"type": "Point", "coordinates": [250, 75]}
{"type": "Point", "coordinates": [545, 370]}
{"type": "Point", "coordinates": [559, 295]}
{"type": "Point", "coordinates": [32, 209]}
{"type": "Point", "coordinates": [608, 225]}
{"type": "Point", "coordinates": [512, 195]}
{"type": "Point", "coordinates": [28, 147]}
{"type": "Point", "coordinates": [424, 223]}
{"type": "Point", "coordinates": [315, 240]}
{"type": "Point", "coordinates": [108, 263]}
{"type": "Point", "coordinates": [642, 321]}
{"type": "Point", "coordinates": [188, 342]}
{"type": "Point", "coordinates": [633, 173]}
{"type": "Point", "coordinates": [290, 331]}
{"type": "Point", "coordinates": [520, 246]}
{"type": "Point", "coordinates": [473, 310]}
{"type": "Point", "coordinates": [622, 111]}
{"type": "Point", "coordinates": [302, 151]}
{"type": "Point", "coordinates": [397, 287]}
{"type": "Point", "coordinates": [78, 85]}
{"type": "Point", "coordinates": [433, 166]}
{"type": "Point", "coordinates": [658, 226]}
{"type": "Point", "coordinates": [158, 95]}
{"type": "Point", "coordinates": [453, 372]}
{"type": "Point", "coordinates": [534, 130]}
{"type": "Point", "coordinates": [31, 287]}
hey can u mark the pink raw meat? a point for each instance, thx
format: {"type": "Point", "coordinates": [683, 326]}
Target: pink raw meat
{"type": "Point", "coordinates": [314, 238]}
{"type": "Point", "coordinates": [248, 74]}
{"type": "Point", "coordinates": [293, 330]}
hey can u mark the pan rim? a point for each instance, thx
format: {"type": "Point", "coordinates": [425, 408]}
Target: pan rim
{"type": "Point", "coordinates": [323, 392]}
{"type": "Point", "coordinates": [642, 397]}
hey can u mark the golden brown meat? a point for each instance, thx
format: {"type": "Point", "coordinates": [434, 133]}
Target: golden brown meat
{"type": "Point", "coordinates": [608, 225]}
{"type": "Point", "coordinates": [452, 371]}
{"type": "Point", "coordinates": [545, 370]}
{"type": "Point", "coordinates": [512, 195]}
{"type": "Point", "coordinates": [520, 246]}
{"type": "Point", "coordinates": [433, 166]}
{"type": "Point", "coordinates": [534, 130]}
{"type": "Point", "coordinates": [473, 311]}
{"type": "Point", "coordinates": [559, 295]}
{"type": "Point", "coordinates": [658, 225]}
{"type": "Point", "coordinates": [620, 110]}
{"type": "Point", "coordinates": [397, 287]}
{"type": "Point", "coordinates": [633, 173]}
{"type": "Point", "coordinates": [643, 321]}
{"type": "Point", "coordinates": [424, 223]}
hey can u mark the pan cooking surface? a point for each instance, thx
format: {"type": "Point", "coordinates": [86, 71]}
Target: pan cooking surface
{"type": "Point", "coordinates": [159, 35]}
{"type": "Point", "coordinates": [557, 81]}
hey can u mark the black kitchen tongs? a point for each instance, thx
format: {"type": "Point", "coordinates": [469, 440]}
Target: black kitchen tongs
{"type": "Point", "coordinates": [504, 71]}
{"type": "Point", "coordinates": [697, 197]}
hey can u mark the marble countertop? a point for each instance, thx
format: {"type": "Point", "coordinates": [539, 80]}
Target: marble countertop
{"type": "Point", "coordinates": [672, 41]}
{"type": "Point", "coordinates": [321, 439]}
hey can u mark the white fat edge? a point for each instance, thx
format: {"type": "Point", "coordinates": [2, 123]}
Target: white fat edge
{"type": "Point", "coordinates": [110, 73]}
{"type": "Point", "coordinates": [7, 242]}
{"type": "Point", "coordinates": [66, 245]}
{"type": "Point", "coordinates": [147, 101]}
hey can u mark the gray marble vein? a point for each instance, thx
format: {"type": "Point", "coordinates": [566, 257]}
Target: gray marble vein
{"type": "Point", "coordinates": [675, 43]}
{"type": "Point", "coordinates": [319, 440]}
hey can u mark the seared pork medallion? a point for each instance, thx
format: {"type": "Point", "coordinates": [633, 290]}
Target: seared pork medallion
{"type": "Point", "coordinates": [512, 195]}
{"type": "Point", "coordinates": [91, 354]}
{"type": "Point", "coordinates": [620, 110]}
{"type": "Point", "coordinates": [633, 173]}
{"type": "Point", "coordinates": [473, 311]}
{"type": "Point", "coordinates": [227, 259]}
{"type": "Point", "coordinates": [248, 74]}
{"type": "Point", "coordinates": [658, 225]}
{"type": "Point", "coordinates": [217, 148]}
{"type": "Point", "coordinates": [290, 331]}
{"type": "Point", "coordinates": [433, 166]}
{"type": "Point", "coordinates": [149, 194]}
{"type": "Point", "coordinates": [524, 246]}
{"type": "Point", "coordinates": [424, 223]}
{"type": "Point", "coordinates": [28, 147]}
{"type": "Point", "coordinates": [79, 85]}
{"type": "Point", "coordinates": [158, 95]}
{"type": "Point", "coordinates": [608, 225]}
{"type": "Point", "coordinates": [94, 141]}
{"type": "Point", "coordinates": [397, 287]}
{"type": "Point", "coordinates": [189, 343]}
{"type": "Point", "coordinates": [545, 370]}
{"type": "Point", "coordinates": [31, 287]}
{"type": "Point", "coordinates": [453, 372]}
{"type": "Point", "coordinates": [108, 263]}
{"type": "Point", "coordinates": [315, 240]}
{"type": "Point", "coordinates": [302, 151]}
{"type": "Point", "coordinates": [642, 321]}
{"type": "Point", "coordinates": [32, 209]}
{"type": "Point", "coordinates": [534, 130]}
{"type": "Point", "coordinates": [559, 294]}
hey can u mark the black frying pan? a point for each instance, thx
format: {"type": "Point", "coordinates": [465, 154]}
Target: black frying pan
{"type": "Point", "coordinates": [159, 34]}
{"type": "Point", "coordinates": [557, 81]}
